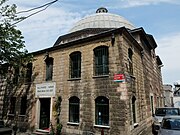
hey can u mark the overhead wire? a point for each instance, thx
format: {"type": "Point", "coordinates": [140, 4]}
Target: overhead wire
{"type": "Point", "coordinates": [47, 4]}
{"type": "Point", "coordinates": [32, 9]}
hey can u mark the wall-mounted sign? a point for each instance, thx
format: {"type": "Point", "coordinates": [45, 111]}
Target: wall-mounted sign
{"type": "Point", "coordinates": [46, 89]}
{"type": "Point", "coordinates": [119, 78]}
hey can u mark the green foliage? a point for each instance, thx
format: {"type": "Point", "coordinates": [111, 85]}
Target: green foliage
{"type": "Point", "coordinates": [58, 128]}
{"type": "Point", "coordinates": [12, 45]}
{"type": "Point", "coordinates": [58, 110]}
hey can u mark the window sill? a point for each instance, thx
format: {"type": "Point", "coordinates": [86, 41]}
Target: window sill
{"type": "Point", "coordinates": [133, 77]}
{"type": "Point", "coordinates": [101, 76]}
{"type": "Point", "coordinates": [136, 125]}
{"type": "Point", "coordinates": [74, 79]}
{"type": "Point", "coordinates": [21, 115]}
{"type": "Point", "coordinates": [73, 123]}
{"type": "Point", "coordinates": [102, 126]}
{"type": "Point", "coordinates": [26, 83]}
{"type": "Point", "coordinates": [11, 115]}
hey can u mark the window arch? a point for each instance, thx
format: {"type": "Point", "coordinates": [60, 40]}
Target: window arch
{"type": "Point", "coordinates": [102, 111]}
{"type": "Point", "coordinates": [74, 109]}
{"type": "Point", "coordinates": [75, 65]}
{"type": "Point", "coordinates": [130, 54]}
{"type": "Point", "coordinates": [101, 63]}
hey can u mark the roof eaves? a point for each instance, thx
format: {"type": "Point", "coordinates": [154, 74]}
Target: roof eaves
{"type": "Point", "coordinates": [145, 36]}
{"type": "Point", "coordinates": [90, 38]}
{"type": "Point", "coordinates": [159, 62]}
{"type": "Point", "coordinates": [95, 36]}
{"type": "Point", "coordinates": [133, 39]}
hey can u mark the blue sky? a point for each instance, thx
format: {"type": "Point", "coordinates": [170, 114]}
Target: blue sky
{"type": "Point", "coordinates": [161, 18]}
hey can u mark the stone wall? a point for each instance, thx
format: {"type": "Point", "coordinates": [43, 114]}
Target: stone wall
{"type": "Point", "coordinates": [89, 87]}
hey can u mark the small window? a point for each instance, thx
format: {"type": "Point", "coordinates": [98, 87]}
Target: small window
{"type": "Point", "coordinates": [49, 68]}
{"type": "Point", "coordinates": [23, 105]}
{"type": "Point", "coordinates": [16, 75]}
{"type": "Point", "coordinates": [130, 54]}
{"type": "Point", "coordinates": [102, 111]}
{"type": "Point", "coordinates": [4, 68]}
{"type": "Point", "coordinates": [12, 105]}
{"type": "Point", "coordinates": [29, 72]}
{"type": "Point", "coordinates": [134, 108]}
{"type": "Point", "coordinates": [75, 65]}
{"type": "Point", "coordinates": [74, 110]}
{"type": "Point", "coordinates": [157, 102]}
{"type": "Point", "coordinates": [152, 104]}
{"type": "Point", "coordinates": [101, 61]}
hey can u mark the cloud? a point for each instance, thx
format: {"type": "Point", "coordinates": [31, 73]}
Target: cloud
{"type": "Point", "coordinates": [168, 50]}
{"type": "Point", "coordinates": [44, 28]}
{"type": "Point", "coordinates": [41, 30]}
{"type": "Point", "coordinates": [135, 3]}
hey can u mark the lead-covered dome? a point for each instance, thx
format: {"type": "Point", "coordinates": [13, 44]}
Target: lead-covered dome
{"type": "Point", "coordinates": [102, 19]}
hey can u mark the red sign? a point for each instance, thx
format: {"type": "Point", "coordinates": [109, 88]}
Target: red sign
{"type": "Point", "coordinates": [119, 77]}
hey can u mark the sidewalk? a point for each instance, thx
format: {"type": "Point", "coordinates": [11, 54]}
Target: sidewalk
{"type": "Point", "coordinates": [147, 132]}
{"type": "Point", "coordinates": [22, 133]}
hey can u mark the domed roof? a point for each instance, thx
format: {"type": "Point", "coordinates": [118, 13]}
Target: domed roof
{"type": "Point", "coordinates": [102, 19]}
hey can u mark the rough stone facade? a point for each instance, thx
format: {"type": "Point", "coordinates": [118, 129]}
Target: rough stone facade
{"type": "Point", "coordinates": [144, 82]}
{"type": "Point", "coordinates": [131, 102]}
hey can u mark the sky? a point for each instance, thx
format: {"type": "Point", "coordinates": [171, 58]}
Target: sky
{"type": "Point", "coordinates": [160, 18]}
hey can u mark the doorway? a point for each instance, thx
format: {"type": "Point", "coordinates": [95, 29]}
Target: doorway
{"type": "Point", "coordinates": [44, 113]}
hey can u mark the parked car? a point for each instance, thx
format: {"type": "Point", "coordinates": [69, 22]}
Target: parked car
{"type": "Point", "coordinates": [170, 126]}
{"type": "Point", "coordinates": [159, 114]}
{"type": "Point", "coordinates": [4, 130]}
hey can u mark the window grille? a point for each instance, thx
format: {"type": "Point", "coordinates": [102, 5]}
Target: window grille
{"type": "Point", "coordinates": [49, 69]}
{"type": "Point", "coordinates": [102, 111]}
{"type": "Point", "coordinates": [75, 65]}
{"type": "Point", "coordinates": [101, 61]}
{"type": "Point", "coordinates": [74, 110]}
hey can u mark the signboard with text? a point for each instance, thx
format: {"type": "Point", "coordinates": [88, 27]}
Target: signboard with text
{"type": "Point", "coordinates": [46, 89]}
{"type": "Point", "coordinates": [119, 78]}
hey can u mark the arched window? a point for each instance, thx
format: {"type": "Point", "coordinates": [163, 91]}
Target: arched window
{"type": "Point", "coordinates": [130, 54]}
{"type": "Point", "coordinates": [75, 65]}
{"type": "Point", "coordinates": [101, 64]}
{"type": "Point", "coordinates": [74, 109]}
{"type": "Point", "coordinates": [49, 68]}
{"type": "Point", "coordinates": [102, 111]}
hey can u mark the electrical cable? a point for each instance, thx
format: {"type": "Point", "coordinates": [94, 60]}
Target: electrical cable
{"type": "Point", "coordinates": [45, 7]}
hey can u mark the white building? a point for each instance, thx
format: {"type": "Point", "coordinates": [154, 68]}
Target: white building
{"type": "Point", "coordinates": [168, 95]}
{"type": "Point", "coordinates": [176, 99]}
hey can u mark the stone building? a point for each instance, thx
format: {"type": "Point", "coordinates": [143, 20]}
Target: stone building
{"type": "Point", "coordinates": [102, 76]}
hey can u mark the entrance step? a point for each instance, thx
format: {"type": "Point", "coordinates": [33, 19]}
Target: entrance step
{"type": "Point", "coordinates": [40, 132]}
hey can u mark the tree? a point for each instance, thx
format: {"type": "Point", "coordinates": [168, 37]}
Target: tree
{"type": "Point", "coordinates": [12, 45]}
